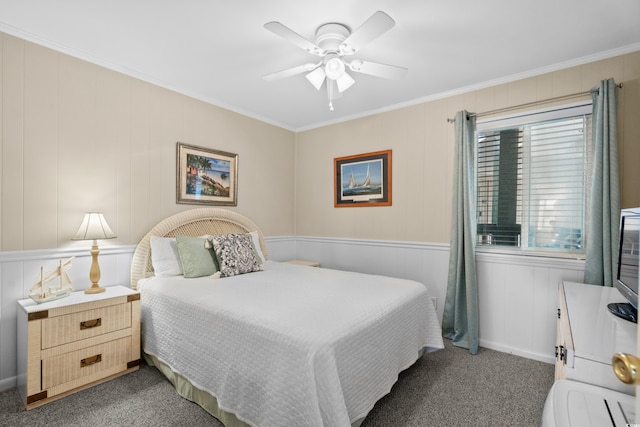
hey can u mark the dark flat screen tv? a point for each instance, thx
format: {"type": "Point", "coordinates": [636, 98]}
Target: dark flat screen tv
{"type": "Point", "coordinates": [628, 265]}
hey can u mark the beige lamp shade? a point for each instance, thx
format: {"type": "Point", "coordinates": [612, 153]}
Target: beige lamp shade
{"type": "Point", "coordinates": [94, 227]}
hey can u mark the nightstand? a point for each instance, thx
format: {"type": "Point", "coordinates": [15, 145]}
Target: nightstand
{"type": "Point", "coordinates": [303, 262]}
{"type": "Point", "coordinates": [76, 342]}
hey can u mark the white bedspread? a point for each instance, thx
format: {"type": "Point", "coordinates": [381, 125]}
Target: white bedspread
{"type": "Point", "coordinates": [291, 345]}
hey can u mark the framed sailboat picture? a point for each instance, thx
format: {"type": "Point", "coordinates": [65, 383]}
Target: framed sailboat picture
{"type": "Point", "coordinates": [206, 176]}
{"type": "Point", "coordinates": [363, 180]}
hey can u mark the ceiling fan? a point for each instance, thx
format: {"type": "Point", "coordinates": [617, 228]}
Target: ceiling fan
{"type": "Point", "coordinates": [334, 42]}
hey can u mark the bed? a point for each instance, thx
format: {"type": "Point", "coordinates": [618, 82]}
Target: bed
{"type": "Point", "coordinates": [282, 344]}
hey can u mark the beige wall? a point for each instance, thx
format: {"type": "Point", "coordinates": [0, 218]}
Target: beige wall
{"type": "Point", "coordinates": [422, 144]}
{"type": "Point", "coordinates": [78, 137]}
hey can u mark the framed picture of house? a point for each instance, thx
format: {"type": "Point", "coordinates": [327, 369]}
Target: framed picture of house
{"type": "Point", "coordinates": [206, 176]}
{"type": "Point", "coordinates": [363, 180]}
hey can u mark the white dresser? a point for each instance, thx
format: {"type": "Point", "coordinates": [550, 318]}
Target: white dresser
{"type": "Point", "coordinates": [589, 335]}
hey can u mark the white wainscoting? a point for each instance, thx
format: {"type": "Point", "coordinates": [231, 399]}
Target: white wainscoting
{"type": "Point", "coordinates": [423, 262]}
{"type": "Point", "coordinates": [518, 301]}
{"type": "Point", "coordinates": [518, 295]}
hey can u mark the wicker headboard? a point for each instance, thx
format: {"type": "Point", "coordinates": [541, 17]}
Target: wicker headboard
{"type": "Point", "coordinates": [193, 222]}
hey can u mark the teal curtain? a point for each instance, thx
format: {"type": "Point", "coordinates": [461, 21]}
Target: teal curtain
{"type": "Point", "coordinates": [603, 214]}
{"type": "Point", "coordinates": [460, 319]}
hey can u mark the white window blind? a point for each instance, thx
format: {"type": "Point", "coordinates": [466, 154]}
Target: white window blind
{"type": "Point", "coordinates": [531, 179]}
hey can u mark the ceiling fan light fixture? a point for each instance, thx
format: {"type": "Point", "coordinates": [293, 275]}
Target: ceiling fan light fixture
{"type": "Point", "coordinates": [334, 68]}
{"type": "Point", "coordinates": [316, 77]}
{"type": "Point", "coordinates": [345, 82]}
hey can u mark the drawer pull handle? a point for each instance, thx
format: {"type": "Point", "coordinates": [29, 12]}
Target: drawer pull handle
{"type": "Point", "coordinates": [91, 360]}
{"type": "Point", "coordinates": [88, 324]}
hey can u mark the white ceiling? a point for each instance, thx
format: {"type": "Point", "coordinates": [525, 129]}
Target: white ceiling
{"type": "Point", "coordinates": [218, 51]}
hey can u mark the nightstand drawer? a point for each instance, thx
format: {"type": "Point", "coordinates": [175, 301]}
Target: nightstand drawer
{"type": "Point", "coordinates": [85, 362]}
{"type": "Point", "coordinates": [84, 324]}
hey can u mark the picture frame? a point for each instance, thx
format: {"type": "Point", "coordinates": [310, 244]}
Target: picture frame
{"type": "Point", "coordinates": [363, 180]}
{"type": "Point", "coordinates": [206, 176]}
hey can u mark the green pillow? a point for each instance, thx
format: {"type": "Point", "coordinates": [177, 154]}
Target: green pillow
{"type": "Point", "coordinates": [197, 260]}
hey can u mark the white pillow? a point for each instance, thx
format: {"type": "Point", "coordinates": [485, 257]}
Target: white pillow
{"type": "Point", "coordinates": [164, 256]}
{"type": "Point", "coordinates": [255, 239]}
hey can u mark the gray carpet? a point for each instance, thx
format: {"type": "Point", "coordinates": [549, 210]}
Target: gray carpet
{"type": "Point", "coordinates": [444, 388]}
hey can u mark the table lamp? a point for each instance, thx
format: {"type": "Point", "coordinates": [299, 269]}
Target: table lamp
{"type": "Point", "coordinates": [94, 227]}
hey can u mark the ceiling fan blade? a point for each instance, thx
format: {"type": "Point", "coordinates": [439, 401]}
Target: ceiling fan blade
{"type": "Point", "coordinates": [316, 77]}
{"type": "Point", "coordinates": [290, 72]}
{"type": "Point", "coordinates": [376, 69]}
{"type": "Point", "coordinates": [344, 82]}
{"type": "Point", "coordinates": [295, 38]}
{"type": "Point", "coordinates": [372, 28]}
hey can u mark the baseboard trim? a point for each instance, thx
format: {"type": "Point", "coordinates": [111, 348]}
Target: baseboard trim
{"type": "Point", "coordinates": [8, 383]}
{"type": "Point", "coordinates": [546, 358]}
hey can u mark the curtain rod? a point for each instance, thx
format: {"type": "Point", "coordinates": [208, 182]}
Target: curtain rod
{"type": "Point", "coordinates": [530, 104]}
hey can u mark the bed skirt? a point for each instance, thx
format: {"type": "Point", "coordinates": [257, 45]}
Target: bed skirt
{"type": "Point", "coordinates": [208, 402]}
{"type": "Point", "coordinates": [185, 389]}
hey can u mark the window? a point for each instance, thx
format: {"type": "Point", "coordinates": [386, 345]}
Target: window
{"type": "Point", "coordinates": [531, 180]}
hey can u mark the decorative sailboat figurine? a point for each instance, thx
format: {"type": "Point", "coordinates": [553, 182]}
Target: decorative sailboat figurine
{"type": "Point", "coordinates": [44, 291]}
